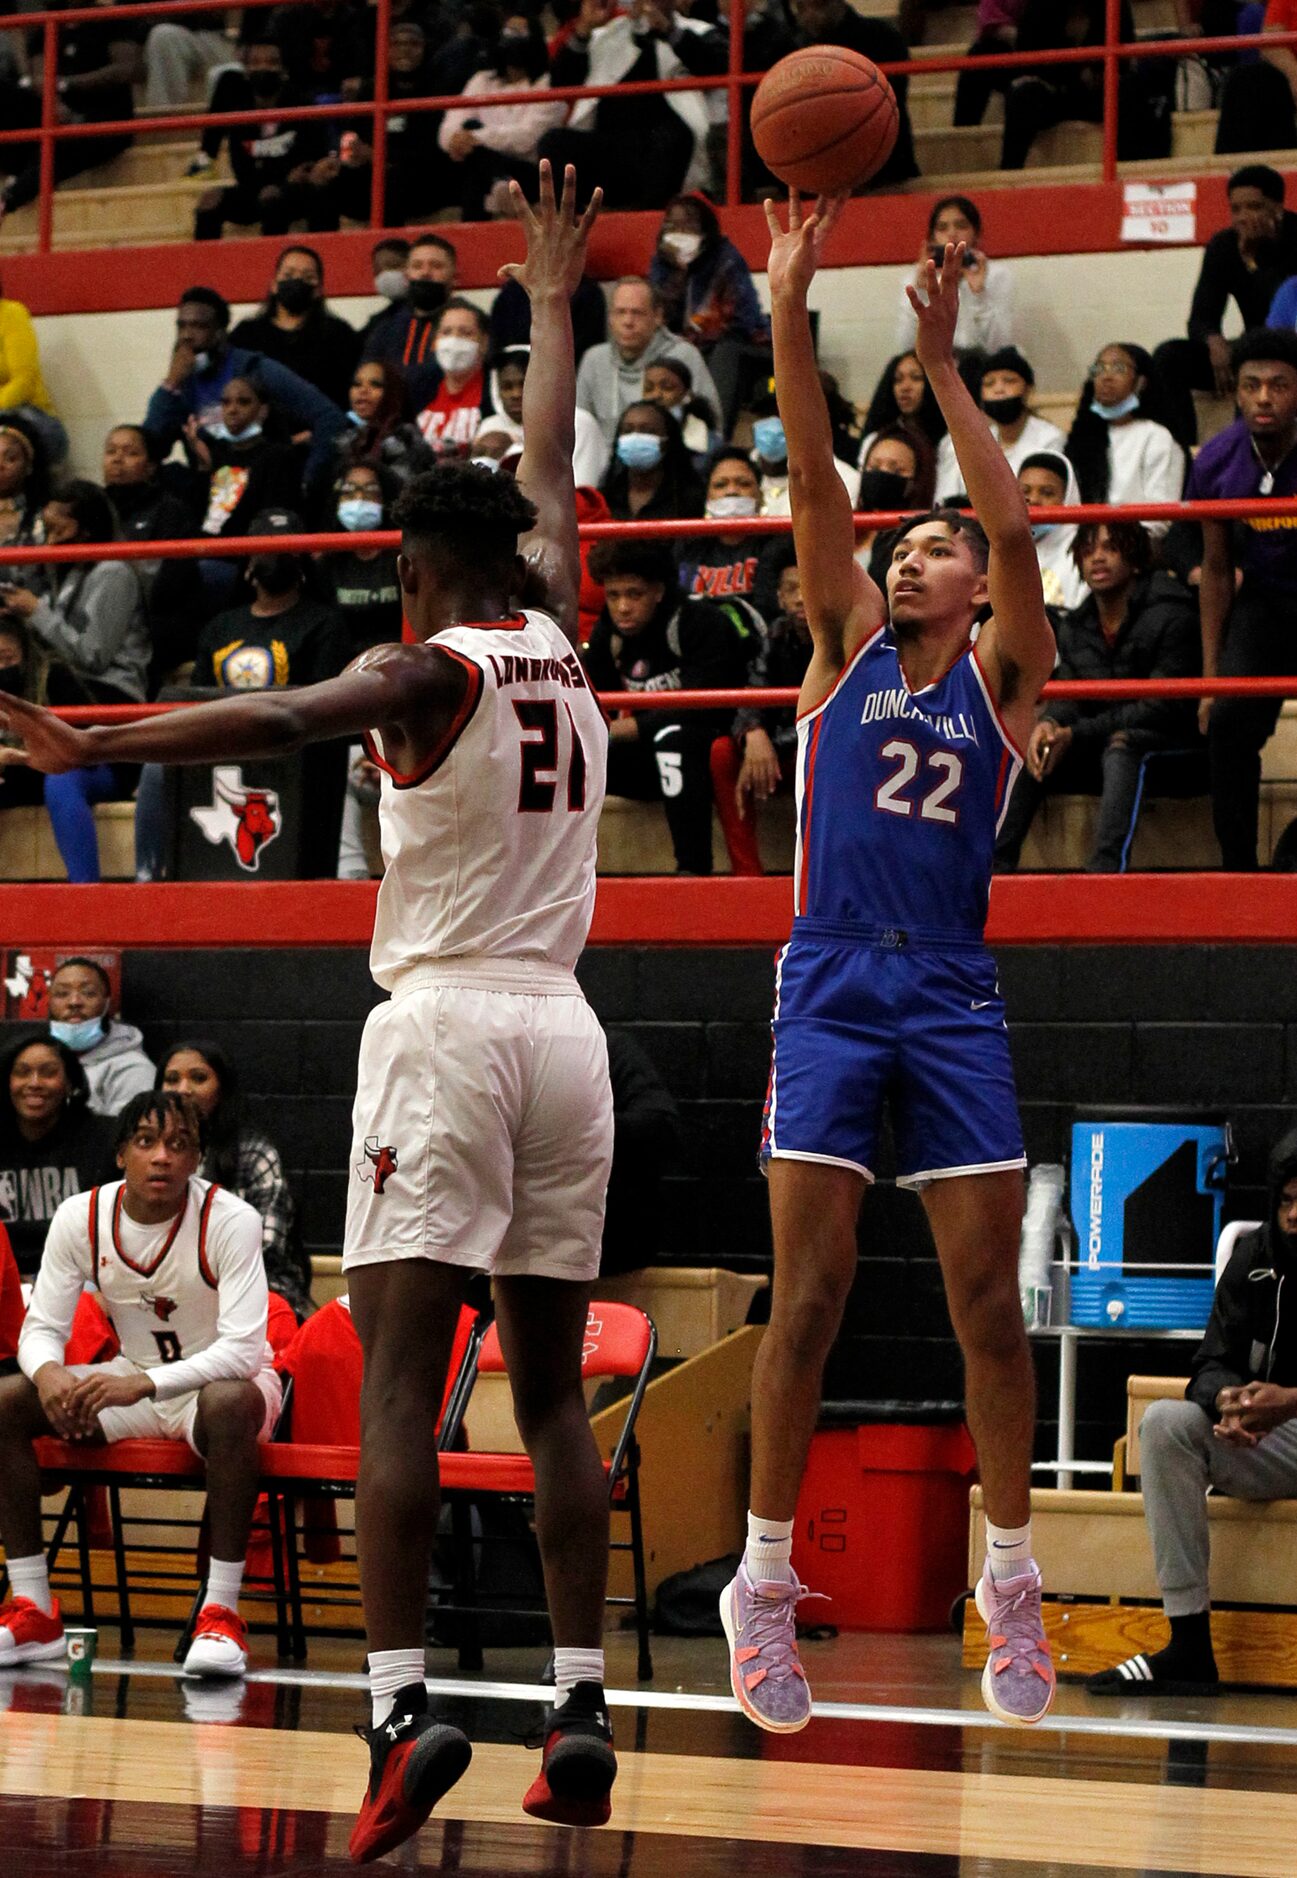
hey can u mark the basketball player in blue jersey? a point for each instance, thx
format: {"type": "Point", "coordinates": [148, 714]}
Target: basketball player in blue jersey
{"type": "Point", "coordinates": [911, 725]}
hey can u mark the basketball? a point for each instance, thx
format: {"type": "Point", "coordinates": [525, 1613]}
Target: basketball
{"type": "Point", "coordinates": [824, 119]}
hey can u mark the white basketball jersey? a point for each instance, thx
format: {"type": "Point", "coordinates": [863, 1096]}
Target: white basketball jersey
{"type": "Point", "coordinates": [490, 846]}
{"type": "Point", "coordinates": [163, 1301]}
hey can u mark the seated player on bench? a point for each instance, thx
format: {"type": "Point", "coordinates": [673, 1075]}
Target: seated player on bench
{"type": "Point", "coordinates": [178, 1267]}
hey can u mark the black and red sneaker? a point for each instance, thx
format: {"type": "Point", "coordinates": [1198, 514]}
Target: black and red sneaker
{"type": "Point", "coordinates": [413, 1760]}
{"type": "Point", "coordinates": [578, 1765]}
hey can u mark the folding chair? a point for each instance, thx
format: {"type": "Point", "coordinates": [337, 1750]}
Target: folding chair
{"type": "Point", "coordinates": [620, 1341]}
{"type": "Point", "coordinates": [325, 1364]}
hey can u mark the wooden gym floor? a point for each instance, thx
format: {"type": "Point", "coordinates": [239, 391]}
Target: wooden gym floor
{"type": "Point", "coordinates": [901, 1775]}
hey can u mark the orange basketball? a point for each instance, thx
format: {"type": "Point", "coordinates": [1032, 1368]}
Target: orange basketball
{"type": "Point", "coordinates": [824, 119]}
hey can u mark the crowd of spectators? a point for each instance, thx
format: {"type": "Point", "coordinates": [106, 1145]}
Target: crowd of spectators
{"type": "Point", "coordinates": [295, 421]}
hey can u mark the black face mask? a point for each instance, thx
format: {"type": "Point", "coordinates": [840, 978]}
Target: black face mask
{"type": "Point", "coordinates": [882, 489]}
{"type": "Point", "coordinates": [295, 296]}
{"type": "Point", "coordinates": [511, 49]}
{"type": "Point", "coordinates": [427, 296]}
{"type": "Point", "coordinates": [11, 680]}
{"type": "Point", "coordinates": [265, 84]}
{"type": "Point", "coordinates": [1004, 410]}
{"type": "Point", "coordinates": [273, 573]}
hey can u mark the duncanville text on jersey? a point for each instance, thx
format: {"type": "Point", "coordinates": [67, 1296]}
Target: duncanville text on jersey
{"type": "Point", "coordinates": [880, 706]}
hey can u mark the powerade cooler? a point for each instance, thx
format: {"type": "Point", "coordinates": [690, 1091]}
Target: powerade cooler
{"type": "Point", "coordinates": [1146, 1204]}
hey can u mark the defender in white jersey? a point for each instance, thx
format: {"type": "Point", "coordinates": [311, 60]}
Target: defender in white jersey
{"type": "Point", "coordinates": [177, 1266]}
{"type": "Point", "coordinates": [483, 1119]}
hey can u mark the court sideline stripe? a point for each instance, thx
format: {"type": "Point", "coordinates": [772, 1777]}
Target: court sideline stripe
{"type": "Point", "coordinates": [1128, 1728]}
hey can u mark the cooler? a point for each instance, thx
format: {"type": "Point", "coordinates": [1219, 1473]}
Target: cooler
{"type": "Point", "coordinates": [1146, 1199]}
{"type": "Point", "coordinates": [882, 1516]}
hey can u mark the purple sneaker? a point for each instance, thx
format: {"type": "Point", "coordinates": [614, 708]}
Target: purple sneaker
{"type": "Point", "coordinates": [768, 1681]}
{"type": "Point", "coordinates": [1018, 1681]}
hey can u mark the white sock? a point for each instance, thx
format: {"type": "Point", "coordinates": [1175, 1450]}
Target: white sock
{"type": "Point", "coordinates": [769, 1549]}
{"type": "Point", "coordinates": [572, 1667]}
{"type": "Point", "coordinates": [1008, 1550]}
{"type": "Point", "coordinates": [389, 1672]}
{"type": "Point", "coordinates": [224, 1581]}
{"type": "Point", "coordinates": [30, 1578]}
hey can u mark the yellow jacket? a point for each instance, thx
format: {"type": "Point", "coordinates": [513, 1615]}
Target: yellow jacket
{"type": "Point", "coordinates": [20, 360]}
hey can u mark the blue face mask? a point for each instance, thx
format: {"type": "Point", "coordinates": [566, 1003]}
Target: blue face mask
{"type": "Point", "coordinates": [356, 512]}
{"type": "Point", "coordinates": [223, 434]}
{"type": "Point", "coordinates": [1111, 412]}
{"type": "Point", "coordinates": [1040, 529]}
{"type": "Point", "coordinates": [79, 1037]}
{"type": "Point", "coordinates": [354, 417]}
{"type": "Point", "coordinates": [769, 441]}
{"type": "Point", "coordinates": [637, 450]}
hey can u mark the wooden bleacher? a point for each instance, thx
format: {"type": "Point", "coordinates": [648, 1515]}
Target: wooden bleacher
{"type": "Point", "coordinates": [1093, 1549]}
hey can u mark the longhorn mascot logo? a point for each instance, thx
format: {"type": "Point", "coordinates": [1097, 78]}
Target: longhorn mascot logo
{"type": "Point", "coordinates": [381, 1158]}
{"type": "Point", "coordinates": [249, 819]}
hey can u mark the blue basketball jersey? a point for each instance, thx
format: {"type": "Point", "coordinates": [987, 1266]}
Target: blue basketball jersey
{"type": "Point", "coordinates": [900, 795]}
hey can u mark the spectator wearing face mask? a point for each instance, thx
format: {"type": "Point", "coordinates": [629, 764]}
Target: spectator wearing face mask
{"type": "Point", "coordinates": [755, 759]}
{"type": "Point", "coordinates": [1120, 448]}
{"type": "Point", "coordinates": [490, 145]}
{"type": "Point", "coordinates": [1134, 623]}
{"type": "Point", "coordinates": [611, 375]}
{"type": "Point", "coordinates": [770, 456]}
{"type": "Point", "coordinates": [651, 478]}
{"type": "Point", "coordinates": [721, 567]}
{"type": "Point", "coordinates": [1048, 480]}
{"type": "Point", "coordinates": [380, 430]}
{"type": "Point", "coordinates": [362, 584]}
{"type": "Point", "coordinates": [89, 618]}
{"type": "Point", "coordinates": [202, 364]}
{"type": "Point", "coordinates": [238, 469]}
{"type": "Point", "coordinates": [1007, 380]}
{"type": "Point", "coordinates": [898, 474]}
{"type": "Point", "coordinates": [453, 394]}
{"type": "Point", "coordinates": [708, 297]}
{"type": "Point", "coordinates": [404, 334]}
{"type": "Point", "coordinates": [111, 1053]}
{"type": "Point", "coordinates": [295, 327]}
{"type": "Point", "coordinates": [280, 636]}
{"type": "Point", "coordinates": [273, 161]}
{"type": "Point", "coordinates": [388, 260]}
{"type": "Point", "coordinates": [903, 395]}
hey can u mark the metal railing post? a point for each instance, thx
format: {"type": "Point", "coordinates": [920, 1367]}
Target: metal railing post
{"type": "Point", "coordinates": [378, 178]}
{"type": "Point", "coordinates": [1111, 77]}
{"type": "Point", "coordinates": [49, 110]}
{"type": "Point", "coordinates": [734, 93]}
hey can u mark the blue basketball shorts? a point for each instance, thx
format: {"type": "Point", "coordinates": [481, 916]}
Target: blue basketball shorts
{"type": "Point", "coordinates": [867, 1018]}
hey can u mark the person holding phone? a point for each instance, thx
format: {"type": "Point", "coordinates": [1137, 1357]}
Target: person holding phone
{"type": "Point", "coordinates": [986, 317]}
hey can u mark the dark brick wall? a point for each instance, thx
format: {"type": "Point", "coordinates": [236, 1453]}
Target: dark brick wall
{"type": "Point", "coordinates": [1176, 1026]}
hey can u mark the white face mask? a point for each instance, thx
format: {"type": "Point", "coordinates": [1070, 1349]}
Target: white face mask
{"type": "Point", "coordinates": [456, 355]}
{"type": "Point", "coordinates": [725, 508]}
{"type": "Point", "coordinates": [682, 247]}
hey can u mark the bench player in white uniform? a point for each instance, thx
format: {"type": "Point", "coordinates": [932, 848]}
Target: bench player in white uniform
{"type": "Point", "coordinates": [177, 1264]}
{"type": "Point", "coordinates": [483, 1117]}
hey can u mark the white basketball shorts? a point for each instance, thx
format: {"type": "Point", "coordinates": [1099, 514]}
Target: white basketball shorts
{"type": "Point", "coordinates": [482, 1130]}
{"type": "Point", "coordinates": [172, 1420]}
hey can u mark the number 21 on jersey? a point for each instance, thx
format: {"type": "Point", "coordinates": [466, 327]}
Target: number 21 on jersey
{"type": "Point", "coordinates": [538, 776]}
{"type": "Point", "coordinates": [916, 787]}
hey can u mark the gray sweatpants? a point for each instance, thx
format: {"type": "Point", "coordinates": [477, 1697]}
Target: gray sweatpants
{"type": "Point", "coordinates": [1180, 1458]}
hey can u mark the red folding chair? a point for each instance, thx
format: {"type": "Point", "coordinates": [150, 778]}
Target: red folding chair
{"type": "Point", "coordinates": [620, 1341]}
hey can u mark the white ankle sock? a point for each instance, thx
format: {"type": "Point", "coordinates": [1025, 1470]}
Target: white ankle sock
{"type": "Point", "coordinates": [769, 1549]}
{"type": "Point", "coordinates": [224, 1581]}
{"type": "Point", "coordinates": [30, 1578]}
{"type": "Point", "coordinates": [1008, 1550]}
{"type": "Point", "coordinates": [389, 1672]}
{"type": "Point", "coordinates": [572, 1667]}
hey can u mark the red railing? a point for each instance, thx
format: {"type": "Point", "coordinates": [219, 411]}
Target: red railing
{"type": "Point", "coordinates": [1076, 689]}
{"type": "Point", "coordinates": [734, 82]}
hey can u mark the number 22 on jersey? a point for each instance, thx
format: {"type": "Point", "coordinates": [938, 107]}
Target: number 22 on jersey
{"type": "Point", "coordinates": [942, 774]}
